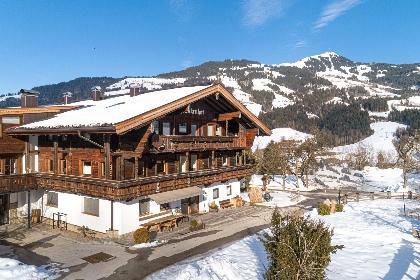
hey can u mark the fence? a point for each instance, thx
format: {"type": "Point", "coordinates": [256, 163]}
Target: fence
{"type": "Point", "coordinates": [375, 196]}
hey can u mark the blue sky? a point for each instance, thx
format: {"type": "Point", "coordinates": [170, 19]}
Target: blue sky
{"type": "Point", "coordinates": [46, 42]}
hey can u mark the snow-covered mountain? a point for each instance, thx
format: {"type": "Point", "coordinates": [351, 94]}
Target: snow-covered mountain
{"type": "Point", "coordinates": [329, 77]}
{"type": "Point", "coordinates": [262, 87]}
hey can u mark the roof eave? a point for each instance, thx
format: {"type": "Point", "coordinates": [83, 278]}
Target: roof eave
{"type": "Point", "coordinates": [63, 130]}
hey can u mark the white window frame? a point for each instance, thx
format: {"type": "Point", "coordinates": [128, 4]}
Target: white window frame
{"type": "Point", "coordinates": [216, 191]}
{"type": "Point", "coordinates": [86, 170]}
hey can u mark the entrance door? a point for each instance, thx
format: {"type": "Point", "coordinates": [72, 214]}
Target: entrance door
{"type": "Point", "coordinates": [184, 206]}
{"type": "Point", "coordinates": [4, 209]}
{"type": "Point", "coordinates": [194, 204]}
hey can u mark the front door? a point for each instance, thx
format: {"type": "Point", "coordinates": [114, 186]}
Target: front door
{"type": "Point", "coordinates": [4, 209]}
{"type": "Point", "coordinates": [194, 204]}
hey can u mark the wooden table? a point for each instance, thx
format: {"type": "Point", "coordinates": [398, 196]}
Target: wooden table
{"type": "Point", "coordinates": [169, 220]}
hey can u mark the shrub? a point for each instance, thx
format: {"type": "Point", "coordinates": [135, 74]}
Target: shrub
{"type": "Point", "coordinates": [297, 247]}
{"type": "Point", "coordinates": [193, 223]}
{"type": "Point", "coordinates": [339, 207]}
{"type": "Point", "coordinates": [214, 206]}
{"type": "Point", "coordinates": [324, 209]}
{"type": "Point", "coordinates": [141, 235]}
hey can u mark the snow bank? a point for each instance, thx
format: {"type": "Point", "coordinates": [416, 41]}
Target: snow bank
{"type": "Point", "coordinates": [13, 269]}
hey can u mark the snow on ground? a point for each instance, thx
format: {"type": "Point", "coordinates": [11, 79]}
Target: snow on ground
{"type": "Point", "coordinates": [278, 135]}
{"type": "Point", "coordinates": [146, 245]}
{"type": "Point", "coordinates": [381, 140]}
{"type": "Point", "coordinates": [261, 84]}
{"type": "Point", "coordinates": [4, 97]}
{"type": "Point", "coordinates": [391, 179]}
{"type": "Point", "coordinates": [13, 269]}
{"type": "Point", "coordinates": [280, 199]}
{"type": "Point", "coordinates": [378, 242]}
{"type": "Point", "coordinates": [377, 238]}
{"type": "Point", "coordinates": [281, 101]}
{"type": "Point", "coordinates": [244, 259]}
{"type": "Point", "coordinates": [244, 98]}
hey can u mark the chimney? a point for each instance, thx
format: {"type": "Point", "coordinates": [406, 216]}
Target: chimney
{"type": "Point", "coordinates": [134, 90]}
{"type": "Point", "coordinates": [29, 98]}
{"type": "Point", "coordinates": [96, 93]}
{"type": "Point", "coordinates": [67, 97]}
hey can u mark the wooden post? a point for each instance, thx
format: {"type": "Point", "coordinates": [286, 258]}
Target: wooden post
{"type": "Point", "coordinates": [107, 157]}
{"type": "Point", "coordinates": [136, 167]}
{"type": "Point", "coordinates": [213, 159]}
{"type": "Point", "coordinates": [187, 161]}
{"type": "Point", "coordinates": [357, 197]}
{"type": "Point", "coordinates": [410, 195]}
{"type": "Point", "coordinates": [372, 195]}
{"type": "Point", "coordinates": [345, 198]}
{"type": "Point", "coordinates": [55, 154]}
{"type": "Point", "coordinates": [226, 132]}
{"type": "Point", "coordinates": [29, 209]}
{"type": "Point", "coordinates": [27, 154]}
{"type": "Point", "coordinates": [388, 193]}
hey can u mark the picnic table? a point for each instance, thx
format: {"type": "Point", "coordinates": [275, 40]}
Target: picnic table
{"type": "Point", "coordinates": [168, 221]}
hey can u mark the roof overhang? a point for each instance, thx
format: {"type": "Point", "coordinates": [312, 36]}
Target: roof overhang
{"type": "Point", "coordinates": [65, 130]}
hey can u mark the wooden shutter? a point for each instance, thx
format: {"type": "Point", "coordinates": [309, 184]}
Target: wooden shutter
{"type": "Point", "coordinates": [91, 206]}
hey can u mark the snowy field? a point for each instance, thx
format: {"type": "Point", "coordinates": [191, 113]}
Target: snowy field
{"type": "Point", "coordinates": [280, 199]}
{"type": "Point", "coordinates": [13, 269]}
{"type": "Point", "coordinates": [378, 245]}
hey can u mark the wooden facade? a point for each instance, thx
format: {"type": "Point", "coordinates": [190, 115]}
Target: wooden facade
{"type": "Point", "coordinates": [197, 140]}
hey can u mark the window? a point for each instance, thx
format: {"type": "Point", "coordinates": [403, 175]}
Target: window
{"type": "Point", "coordinates": [210, 161]}
{"type": "Point", "coordinates": [210, 130]}
{"type": "Point", "coordinates": [144, 206]}
{"type": "Point", "coordinates": [225, 160]}
{"type": "Point", "coordinates": [11, 120]}
{"type": "Point", "coordinates": [140, 171]}
{"type": "Point", "coordinates": [166, 128]}
{"type": "Point", "coordinates": [52, 199]}
{"type": "Point", "coordinates": [51, 165]}
{"type": "Point", "coordinates": [91, 206]}
{"type": "Point", "coordinates": [87, 168]}
{"type": "Point", "coordinates": [160, 166]}
{"type": "Point", "coordinates": [183, 163]}
{"type": "Point", "coordinates": [156, 127]}
{"type": "Point", "coordinates": [165, 206]}
{"type": "Point", "coordinates": [229, 190]}
{"type": "Point", "coordinates": [10, 166]}
{"type": "Point", "coordinates": [215, 193]}
{"type": "Point", "coordinates": [193, 163]}
{"type": "Point", "coordinates": [63, 166]}
{"type": "Point", "coordinates": [182, 127]}
{"type": "Point", "coordinates": [193, 130]}
{"type": "Point", "coordinates": [218, 130]}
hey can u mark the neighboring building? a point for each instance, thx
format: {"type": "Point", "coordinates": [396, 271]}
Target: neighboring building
{"type": "Point", "coordinates": [114, 163]}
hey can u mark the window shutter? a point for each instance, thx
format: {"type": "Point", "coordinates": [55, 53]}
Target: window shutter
{"type": "Point", "coordinates": [144, 206]}
{"type": "Point", "coordinates": [52, 198]}
{"type": "Point", "coordinates": [91, 206]}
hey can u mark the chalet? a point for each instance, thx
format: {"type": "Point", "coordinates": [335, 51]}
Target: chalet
{"type": "Point", "coordinates": [115, 163]}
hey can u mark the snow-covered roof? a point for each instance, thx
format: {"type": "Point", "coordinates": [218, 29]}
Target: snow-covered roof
{"type": "Point", "coordinates": [114, 110]}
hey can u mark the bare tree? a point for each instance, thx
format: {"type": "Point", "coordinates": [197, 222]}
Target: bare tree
{"type": "Point", "coordinates": [406, 146]}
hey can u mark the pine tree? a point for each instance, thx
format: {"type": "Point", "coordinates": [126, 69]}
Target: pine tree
{"type": "Point", "coordinates": [297, 247]}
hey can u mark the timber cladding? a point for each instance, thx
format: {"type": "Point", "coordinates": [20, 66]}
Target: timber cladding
{"type": "Point", "coordinates": [8, 144]}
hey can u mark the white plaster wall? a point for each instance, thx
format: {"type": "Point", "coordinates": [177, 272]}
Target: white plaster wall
{"type": "Point", "coordinates": [127, 217]}
{"type": "Point", "coordinates": [22, 199]}
{"type": "Point", "coordinates": [207, 199]}
{"type": "Point", "coordinates": [72, 205]}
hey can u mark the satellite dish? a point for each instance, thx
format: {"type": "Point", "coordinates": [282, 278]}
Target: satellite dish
{"type": "Point", "coordinates": [157, 141]}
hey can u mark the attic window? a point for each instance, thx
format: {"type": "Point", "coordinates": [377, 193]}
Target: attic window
{"type": "Point", "coordinates": [182, 128]}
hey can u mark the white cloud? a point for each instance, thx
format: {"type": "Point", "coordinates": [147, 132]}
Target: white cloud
{"type": "Point", "coordinates": [188, 59]}
{"type": "Point", "coordinates": [258, 12]}
{"type": "Point", "coordinates": [334, 10]}
{"type": "Point", "coordinates": [183, 9]}
{"type": "Point", "coordinates": [300, 44]}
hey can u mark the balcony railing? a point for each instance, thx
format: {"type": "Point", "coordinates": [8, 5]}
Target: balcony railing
{"type": "Point", "coordinates": [201, 143]}
{"type": "Point", "coordinates": [120, 190]}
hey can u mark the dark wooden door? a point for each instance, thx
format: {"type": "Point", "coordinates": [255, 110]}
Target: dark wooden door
{"type": "Point", "coordinates": [4, 209]}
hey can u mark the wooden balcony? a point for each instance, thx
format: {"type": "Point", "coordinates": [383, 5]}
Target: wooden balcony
{"type": "Point", "coordinates": [120, 190]}
{"type": "Point", "coordinates": [201, 143]}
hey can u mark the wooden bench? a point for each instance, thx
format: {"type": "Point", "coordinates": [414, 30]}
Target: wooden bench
{"type": "Point", "coordinates": [416, 233]}
{"type": "Point", "coordinates": [225, 204]}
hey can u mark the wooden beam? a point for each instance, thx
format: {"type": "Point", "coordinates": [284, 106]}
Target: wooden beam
{"type": "Point", "coordinates": [55, 154]}
{"type": "Point", "coordinates": [228, 116]}
{"type": "Point", "coordinates": [107, 157]}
